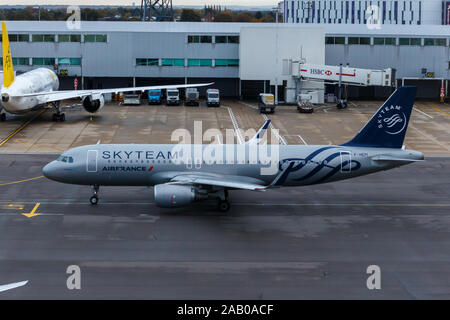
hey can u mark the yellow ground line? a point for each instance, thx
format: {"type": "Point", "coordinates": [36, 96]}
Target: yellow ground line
{"type": "Point", "coordinates": [437, 109]}
{"type": "Point", "coordinates": [20, 181]}
{"type": "Point", "coordinates": [21, 128]}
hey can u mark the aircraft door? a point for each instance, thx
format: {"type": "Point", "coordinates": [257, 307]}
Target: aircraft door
{"type": "Point", "coordinates": [91, 164]}
{"type": "Point", "coordinates": [346, 162]}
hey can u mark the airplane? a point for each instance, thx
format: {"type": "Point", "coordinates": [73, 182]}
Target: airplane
{"type": "Point", "coordinates": [377, 147]}
{"type": "Point", "coordinates": [38, 89]}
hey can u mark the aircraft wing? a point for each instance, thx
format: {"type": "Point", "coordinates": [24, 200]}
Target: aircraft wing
{"type": "Point", "coordinates": [219, 180]}
{"type": "Point", "coordinates": [52, 96]}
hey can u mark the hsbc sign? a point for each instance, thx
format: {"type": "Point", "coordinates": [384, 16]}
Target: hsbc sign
{"type": "Point", "coordinates": [321, 72]}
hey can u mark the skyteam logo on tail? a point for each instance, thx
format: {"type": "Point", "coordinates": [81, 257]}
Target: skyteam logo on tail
{"type": "Point", "coordinates": [392, 119]}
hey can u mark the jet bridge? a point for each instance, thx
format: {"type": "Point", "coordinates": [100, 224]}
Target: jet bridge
{"type": "Point", "coordinates": [336, 75]}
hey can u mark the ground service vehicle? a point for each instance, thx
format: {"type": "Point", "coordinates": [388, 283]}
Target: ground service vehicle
{"type": "Point", "coordinates": [213, 98]}
{"type": "Point", "coordinates": [192, 96]}
{"type": "Point", "coordinates": [132, 99]}
{"type": "Point", "coordinates": [154, 96]}
{"type": "Point", "coordinates": [266, 103]}
{"type": "Point", "coordinates": [173, 97]}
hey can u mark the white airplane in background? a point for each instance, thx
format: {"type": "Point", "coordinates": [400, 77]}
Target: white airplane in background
{"type": "Point", "coordinates": [38, 89]}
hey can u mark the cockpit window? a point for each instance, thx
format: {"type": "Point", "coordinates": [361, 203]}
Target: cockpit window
{"type": "Point", "coordinates": [65, 159]}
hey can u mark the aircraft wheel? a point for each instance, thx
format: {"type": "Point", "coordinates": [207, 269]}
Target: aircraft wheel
{"type": "Point", "coordinates": [94, 200]}
{"type": "Point", "coordinates": [54, 117]}
{"type": "Point", "coordinates": [223, 205]}
{"type": "Point", "coordinates": [62, 117]}
{"type": "Point", "coordinates": [3, 117]}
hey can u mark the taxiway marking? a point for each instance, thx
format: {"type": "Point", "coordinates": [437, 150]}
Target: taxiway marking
{"type": "Point", "coordinates": [20, 181]}
{"type": "Point", "coordinates": [33, 212]}
{"type": "Point", "coordinates": [21, 128]}
{"type": "Point", "coordinates": [426, 114]}
{"type": "Point", "coordinates": [441, 111]}
{"type": "Point", "coordinates": [235, 125]}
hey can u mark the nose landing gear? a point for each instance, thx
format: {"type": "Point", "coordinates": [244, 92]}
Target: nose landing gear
{"type": "Point", "coordinates": [94, 198]}
{"type": "Point", "coordinates": [223, 205]}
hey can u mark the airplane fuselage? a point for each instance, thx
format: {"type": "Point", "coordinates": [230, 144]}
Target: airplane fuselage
{"type": "Point", "coordinates": [34, 81]}
{"type": "Point", "coordinates": [149, 165]}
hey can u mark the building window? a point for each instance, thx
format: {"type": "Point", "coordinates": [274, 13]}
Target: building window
{"type": "Point", "coordinates": [339, 40]}
{"type": "Point", "coordinates": [227, 63]}
{"type": "Point", "coordinates": [43, 61]}
{"type": "Point", "coordinates": [147, 62]}
{"type": "Point", "coordinates": [329, 40]}
{"type": "Point", "coordinates": [69, 61]}
{"type": "Point", "coordinates": [410, 41]}
{"type": "Point", "coordinates": [435, 42]}
{"type": "Point", "coordinates": [172, 62]}
{"type": "Point", "coordinates": [18, 38]}
{"type": "Point", "coordinates": [384, 41]}
{"type": "Point", "coordinates": [18, 61]}
{"type": "Point", "coordinates": [364, 41]}
{"type": "Point", "coordinates": [69, 38]}
{"type": "Point", "coordinates": [353, 40]}
{"type": "Point", "coordinates": [206, 39]}
{"type": "Point", "coordinates": [227, 39]}
{"type": "Point", "coordinates": [199, 39]}
{"type": "Point", "coordinates": [233, 39]}
{"type": "Point", "coordinates": [43, 38]}
{"type": "Point", "coordinates": [390, 41]}
{"type": "Point", "coordinates": [95, 38]}
{"type": "Point", "coordinates": [199, 62]}
{"type": "Point", "coordinates": [221, 39]}
{"type": "Point", "coordinates": [193, 39]}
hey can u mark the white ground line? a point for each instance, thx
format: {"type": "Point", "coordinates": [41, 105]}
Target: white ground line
{"type": "Point", "coordinates": [282, 140]}
{"type": "Point", "coordinates": [415, 108]}
{"type": "Point", "coordinates": [235, 125]}
{"type": "Point", "coordinates": [303, 140]}
{"type": "Point", "coordinates": [248, 105]}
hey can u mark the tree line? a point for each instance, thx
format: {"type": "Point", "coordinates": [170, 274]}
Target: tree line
{"type": "Point", "coordinates": [207, 14]}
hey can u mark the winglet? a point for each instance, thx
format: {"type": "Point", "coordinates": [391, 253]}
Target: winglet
{"type": "Point", "coordinates": [8, 70]}
{"type": "Point", "coordinates": [260, 134]}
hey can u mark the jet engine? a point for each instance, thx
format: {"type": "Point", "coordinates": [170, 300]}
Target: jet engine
{"type": "Point", "coordinates": [93, 103]}
{"type": "Point", "coordinates": [173, 196]}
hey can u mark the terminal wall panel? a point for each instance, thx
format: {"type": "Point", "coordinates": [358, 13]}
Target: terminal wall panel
{"type": "Point", "coordinates": [263, 49]}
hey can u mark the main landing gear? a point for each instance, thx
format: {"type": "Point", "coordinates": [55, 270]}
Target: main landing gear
{"type": "Point", "coordinates": [223, 205]}
{"type": "Point", "coordinates": [59, 115]}
{"type": "Point", "coordinates": [2, 117]}
{"type": "Point", "coordinates": [94, 198]}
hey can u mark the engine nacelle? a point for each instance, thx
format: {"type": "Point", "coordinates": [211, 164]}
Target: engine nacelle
{"type": "Point", "coordinates": [173, 196]}
{"type": "Point", "coordinates": [93, 103]}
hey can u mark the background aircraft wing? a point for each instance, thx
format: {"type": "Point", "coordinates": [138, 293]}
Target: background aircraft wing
{"type": "Point", "coordinates": [52, 96]}
{"type": "Point", "coordinates": [218, 180]}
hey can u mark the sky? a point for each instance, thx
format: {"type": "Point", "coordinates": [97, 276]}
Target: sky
{"type": "Point", "coordinates": [138, 2]}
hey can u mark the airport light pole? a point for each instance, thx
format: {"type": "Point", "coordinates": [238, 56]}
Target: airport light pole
{"type": "Point", "coordinates": [277, 10]}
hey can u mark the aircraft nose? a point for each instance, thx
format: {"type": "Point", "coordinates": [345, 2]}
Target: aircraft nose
{"type": "Point", "coordinates": [50, 170]}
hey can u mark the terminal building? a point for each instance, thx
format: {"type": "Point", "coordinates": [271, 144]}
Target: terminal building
{"type": "Point", "coordinates": [397, 12]}
{"type": "Point", "coordinates": [243, 59]}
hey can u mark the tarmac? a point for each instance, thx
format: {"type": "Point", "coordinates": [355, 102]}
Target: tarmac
{"type": "Point", "coordinates": [312, 242]}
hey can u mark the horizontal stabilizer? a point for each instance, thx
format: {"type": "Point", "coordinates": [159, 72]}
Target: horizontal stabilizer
{"type": "Point", "coordinates": [395, 159]}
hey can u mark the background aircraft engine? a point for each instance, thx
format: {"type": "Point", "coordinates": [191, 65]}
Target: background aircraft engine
{"type": "Point", "coordinates": [93, 103]}
{"type": "Point", "coordinates": [172, 196]}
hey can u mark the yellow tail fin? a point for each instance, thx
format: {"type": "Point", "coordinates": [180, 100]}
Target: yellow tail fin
{"type": "Point", "coordinates": [8, 70]}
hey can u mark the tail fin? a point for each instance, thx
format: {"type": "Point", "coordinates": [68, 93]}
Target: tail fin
{"type": "Point", "coordinates": [8, 70]}
{"type": "Point", "coordinates": [387, 128]}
